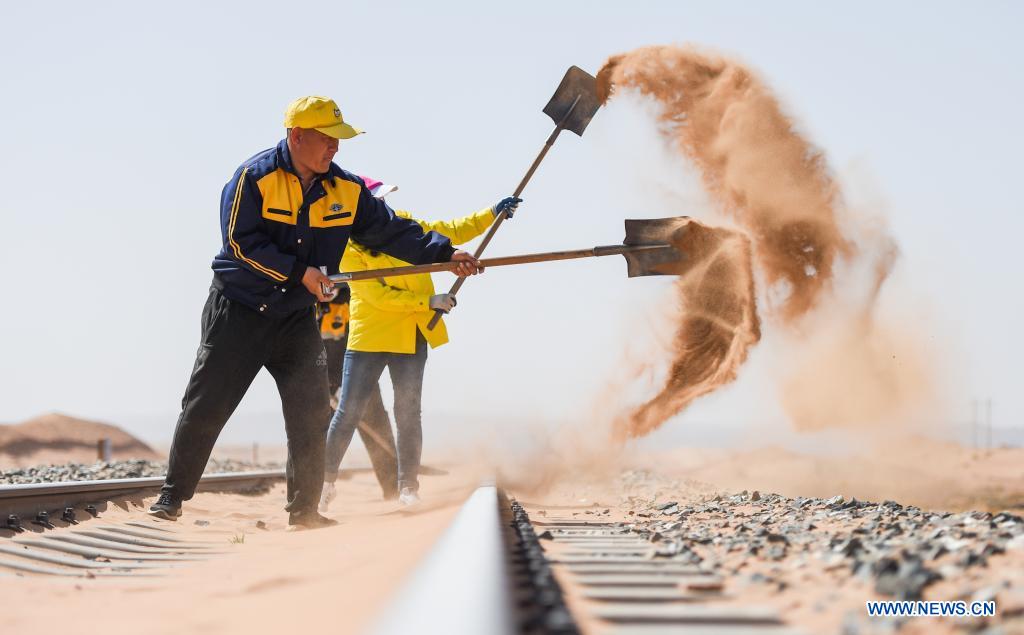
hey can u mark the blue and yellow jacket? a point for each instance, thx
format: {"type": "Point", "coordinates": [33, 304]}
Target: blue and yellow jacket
{"type": "Point", "coordinates": [271, 231]}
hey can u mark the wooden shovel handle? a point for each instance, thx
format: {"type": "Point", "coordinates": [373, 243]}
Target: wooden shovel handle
{"type": "Point", "coordinates": [548, 256]}
{"type": "Point", "coordinates": [501, 217]}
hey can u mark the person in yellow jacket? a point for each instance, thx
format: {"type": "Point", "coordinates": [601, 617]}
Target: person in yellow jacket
{"type": "Point", "coordinates": [388, 328]}
{"type": "Point", "coordinates": [374, 427]}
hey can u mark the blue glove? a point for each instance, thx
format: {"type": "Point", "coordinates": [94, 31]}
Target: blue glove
{"type": "Point", "coordinates": [507, 205]}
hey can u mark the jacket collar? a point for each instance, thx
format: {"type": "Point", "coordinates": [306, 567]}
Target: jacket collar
{"type": "Point", "coordinates": [284, 157]}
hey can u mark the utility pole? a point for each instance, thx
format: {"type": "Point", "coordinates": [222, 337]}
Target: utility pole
{"type": "Point", "coordinates": [988, 420]}
{"type": "Point", "coordinates": [974, 423]}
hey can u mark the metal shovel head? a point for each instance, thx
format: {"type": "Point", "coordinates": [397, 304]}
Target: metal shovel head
{"type": "Point", "coordinates": [574, 103]}
{"type": "Point", "coordinates": [666, 261]}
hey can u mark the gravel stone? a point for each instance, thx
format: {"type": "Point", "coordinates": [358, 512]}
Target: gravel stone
{"type": "Point", "coordinates": [118, 469]}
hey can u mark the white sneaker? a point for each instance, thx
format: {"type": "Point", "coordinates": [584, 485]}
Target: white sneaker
{"type": "Point", "coordinates": [328, 494]}
{"type": "Point", "coordinates": [408, 497]}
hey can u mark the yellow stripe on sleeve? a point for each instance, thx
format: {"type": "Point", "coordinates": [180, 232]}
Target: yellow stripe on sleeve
{"type": "Point", "coordinates": [231, 232]}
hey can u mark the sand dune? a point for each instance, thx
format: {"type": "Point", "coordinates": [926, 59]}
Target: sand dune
{"type": "Point", "coordinates": [59, 438]}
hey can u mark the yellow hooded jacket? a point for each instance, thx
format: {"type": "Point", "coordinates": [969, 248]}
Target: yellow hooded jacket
{"type": "Point", "coordinates": [385, 313]}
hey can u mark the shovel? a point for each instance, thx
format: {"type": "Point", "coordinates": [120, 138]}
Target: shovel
{"type": "Point", "coordinates": [648, 249]}
{"type": "Point", "coordinates": [571, 108]}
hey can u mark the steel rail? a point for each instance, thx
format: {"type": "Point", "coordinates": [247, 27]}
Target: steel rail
{"type": "Point", "coordinates": [463, 584]}
{"type": "Point", "coordinates": [490, 573]}
{"type": "Point", "coordinates": [29, 499]}
{"type": "Point", "coordinates": [29, 490]}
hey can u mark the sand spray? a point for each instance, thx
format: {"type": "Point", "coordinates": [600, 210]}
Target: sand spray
{"type": "Point", "coordinates": [822, 265]}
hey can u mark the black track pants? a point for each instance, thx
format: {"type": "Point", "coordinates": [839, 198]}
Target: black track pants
{"type": "Point", "coordinates": [236, 343]}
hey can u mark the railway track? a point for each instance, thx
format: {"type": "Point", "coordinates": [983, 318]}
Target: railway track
{"type": "Point", "coordinates": [501, 567]}
{"type": "Point", "coordinates": [505, 569]}
{"type": "Point", "coordinates": [96, 548]}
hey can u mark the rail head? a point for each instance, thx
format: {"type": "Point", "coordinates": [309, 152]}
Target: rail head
{"type": "Point", "coordinates": [462, 586]}
{"type": "Point", "coordinates": [31, 499]}
{"type": "Point", "coordinates": [29, 490]}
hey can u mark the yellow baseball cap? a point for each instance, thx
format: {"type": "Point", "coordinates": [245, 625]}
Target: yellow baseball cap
{"type": "Point", "coordinates": [318, 113]}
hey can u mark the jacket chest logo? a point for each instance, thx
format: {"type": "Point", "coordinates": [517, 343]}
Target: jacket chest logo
{"type": "Point", "coordinates": [338, 205]}
{"type": "Point", "coordinates": [335, 212]}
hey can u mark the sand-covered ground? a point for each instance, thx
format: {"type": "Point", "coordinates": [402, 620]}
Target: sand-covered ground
{"type": "Point", "coordinates": [954, 513]}
{"type": "Point", "coordinates": [269, 580]}
{"type": "Point", "coordinates": [913, 471]}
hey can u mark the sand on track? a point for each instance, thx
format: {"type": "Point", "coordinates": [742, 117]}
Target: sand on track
{"type": "Point", "coordinates": [819, 596]}
{"type": "Point", "coordinates": [336, 579]}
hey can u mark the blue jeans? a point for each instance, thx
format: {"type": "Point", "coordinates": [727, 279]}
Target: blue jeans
{"type": "Point", "coordinates": [359, 381]}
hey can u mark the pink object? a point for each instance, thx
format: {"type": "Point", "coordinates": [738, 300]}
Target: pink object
{"type": "Point", "coordinates": [371, 183]}
{"type": "Point", "coordinates": [379, 189]}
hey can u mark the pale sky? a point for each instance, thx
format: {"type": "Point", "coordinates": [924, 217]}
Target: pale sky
{"type": "Point", "coordinates": [126, 119]}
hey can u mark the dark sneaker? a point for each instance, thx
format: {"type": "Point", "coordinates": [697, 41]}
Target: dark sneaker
{"type": "Point", "coordinates": [309, 519]}
{"type": "Point", "coordinates": [166, 507]}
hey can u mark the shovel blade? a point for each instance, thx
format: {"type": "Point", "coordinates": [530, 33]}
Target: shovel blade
{"type": "Point", "coordinates": [667, 261]}
{"type": "Point", "coordinates": [575, 101]}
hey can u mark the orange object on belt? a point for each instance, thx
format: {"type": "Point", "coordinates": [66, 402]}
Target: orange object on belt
{"type": "Point", "coordinates": [334, 323]}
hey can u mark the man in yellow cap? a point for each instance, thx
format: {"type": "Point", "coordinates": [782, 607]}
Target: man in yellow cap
{"type": "Point", "coordinates": [285, 213]}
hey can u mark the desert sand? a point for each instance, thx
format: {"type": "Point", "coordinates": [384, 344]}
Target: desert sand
{"type": "Point", "coordinates": [59, 438]}
{"type": "Point", "coordinates": [270, 580]}
{"type": "Point", "coordinates": [813, 594]}
{"type": "Point", "coordinates": [931, 474]}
